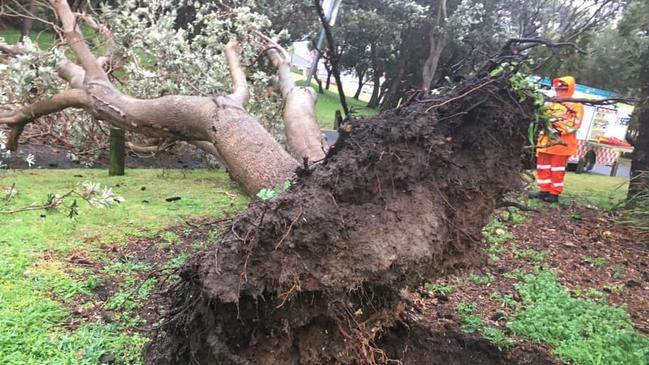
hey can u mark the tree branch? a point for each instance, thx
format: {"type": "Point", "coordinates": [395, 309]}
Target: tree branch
{"type": "Point", "coordinates": [240, 93]}
{"type": "Point", "coordinates": [334, 56]}
{"type": "Point", "coordinates": [77, 43]}
{"type": "Point", "coordinates": [19, 118]}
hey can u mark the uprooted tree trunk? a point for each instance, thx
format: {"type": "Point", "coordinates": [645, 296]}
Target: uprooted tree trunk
{"type": "Point", "coordinates": [316, 275]}
{"type": "Point", "coordinates": [218, 124]}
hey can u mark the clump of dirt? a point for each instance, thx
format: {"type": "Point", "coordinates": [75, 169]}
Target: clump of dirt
{"type": "Point", "coordinates": [315, 275]}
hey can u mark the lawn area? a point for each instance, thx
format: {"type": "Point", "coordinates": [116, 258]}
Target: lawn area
{"type": "Point", "coordinates": [598, 190]}
{"type": "Point", "coordinates": [329, 102]}
{"type": "Point", "coordinates": [38, 283]}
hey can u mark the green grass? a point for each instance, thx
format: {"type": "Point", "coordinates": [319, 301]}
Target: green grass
{"type": "Point", "coordinates": [602, 191]}
{"type": "Point", "coordinates": [36, 286]}
{"type": "Point", "coordinates": [44, 39]}
{"type": "Point", "coordinates": [581, 331]}
{"type": "Point", "coordinates": [329, 102]}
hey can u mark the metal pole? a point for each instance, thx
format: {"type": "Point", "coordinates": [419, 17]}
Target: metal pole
{"type": "Point", "coordinates": [331, 10]}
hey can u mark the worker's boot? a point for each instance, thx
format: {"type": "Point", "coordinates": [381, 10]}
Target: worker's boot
{"type": "Point", "coordinates": [550, 198]}
{"type": "Point", "coordinates": [540, 195]}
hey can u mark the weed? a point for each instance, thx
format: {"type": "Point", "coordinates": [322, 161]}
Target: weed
{"type": "Point", "coordinates": [515, 274]}
{"type": "Point", "coordinates": [506, 299]}
{"type": "Point", "coordinates": [126, 267]}
{"type": "Point", "coordinates": [514, 216]}
{"type": "Point", "coordinates": [583, 332]}
{"type": "Point", "coordinates": [482, 279]}
{"type": "Point", "coordinates": [146, 288]}
{"type": "Point", "coordinates": [596, 261]}
{"type": "Point", "coordinates": [614, 288]}
{"type": "Point", "coordinates": [496, 233]}
{"type": "Point", "coordinates": [534, 255]}
{"type": "Point", "coordinates": [122, 300]}
{"type": "Point", "coordinates": [497, 337]}
{"type": "Point", "coordinates": [178, 261]}
{"type": "Point", "coordinates": [618, 272]}
{"type": "Point", "coordinates": [440, 288]}
{"type": "Point", "coordinates": [475, 323]}
{"type": "Point", "coordinates": [170, 237]}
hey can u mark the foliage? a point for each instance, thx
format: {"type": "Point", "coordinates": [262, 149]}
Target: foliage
{"type": "Point", "coordinates": [475, 323]}
{"type": "Point", "coordinates": [269, 193]}
{"type": "Point", "coordinates": [596, 261]}
{"type": "Point", "coordinates": [496, 234]}
{"type": "Point", "coordinates": [580, 331]}
{"type": "Point", "coordinates": [439, 288]}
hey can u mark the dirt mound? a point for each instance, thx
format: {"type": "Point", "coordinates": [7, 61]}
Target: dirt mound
{"type": "Point", "coordinates": [316, 275]}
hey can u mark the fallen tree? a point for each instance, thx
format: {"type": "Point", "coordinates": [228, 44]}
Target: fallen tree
{"type": "Point", "coordinates": [219, 123]}
{"type": "Point", "coordinates": [316, 275]}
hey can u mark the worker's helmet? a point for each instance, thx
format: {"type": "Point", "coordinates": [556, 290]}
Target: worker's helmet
{"type": "Point", "coordinates": [566, 84]}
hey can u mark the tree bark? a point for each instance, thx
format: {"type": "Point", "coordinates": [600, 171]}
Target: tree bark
{"type": "Point", "coordinates": [329, 74]}
{"type": "Point", "coordinates": [26, 26]}
{"type": "Point", "coordinates": [437, 42]}
{"type": "Point", "coordinates": [639, 182]}
{"type": "Point", "coordinates": [376, 77]}
{"type": "Point", "coordinates": [361, 83]}
{"type": "Point", "coordinates": [117, 152]}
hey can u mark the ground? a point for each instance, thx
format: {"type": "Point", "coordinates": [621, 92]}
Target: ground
{"type": "Point", "coordinates": [67, 285]}
{"type": "Point", "coordinates": [84, 290]}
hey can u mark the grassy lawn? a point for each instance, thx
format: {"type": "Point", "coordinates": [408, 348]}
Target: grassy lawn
{"type": "Point", "coordinates": [598, 190]}
{"type": "Point", "coordinates": [38, 285]}
{"type": "Point", "coordinates": [329, 102]}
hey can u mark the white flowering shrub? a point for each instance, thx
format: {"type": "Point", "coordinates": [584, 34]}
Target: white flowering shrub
{"type": "Point", "coordinates": [153, 56]}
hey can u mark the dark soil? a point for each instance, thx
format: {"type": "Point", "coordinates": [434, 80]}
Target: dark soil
{"type": "Point", "coordinates": [317, 274]}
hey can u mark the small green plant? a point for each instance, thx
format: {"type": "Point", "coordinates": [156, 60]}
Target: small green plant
{"type": "Point", "coordinates": [270, 193]}
{"type": "Point", "coordinates": [534, 255]}
{"type": "Point", "coordinates": [122, 300]}
{"type": "Point", "coordinates": [482, 279]}
{"type": "Point", "coordinates": [614, 288]}
{"type": "Point", "coordinates": [618, 272]}
{"type": "Point", "coordinates": [497, 337]}
{"type": "Point", "coordinates": [514, 216]}
{"type": "Point", "coordinates": [439, 288]}
{"type": "Point", "coordinates": [596, 261]}
{"type": "Point", "coordinates": [591, 293]}
{"type": "Point", "coordinates": [474, 322]}
{"type": "Point", "coordinates": [583, 332]}
{"type": "Point", "coordinates": [170, 237]}
{"type": "Point", "coordinates": [178, 261]}
{"type": "Point", "coordinates": [515, 274]}
{"type": "Point", "coordinates": [506, 299]}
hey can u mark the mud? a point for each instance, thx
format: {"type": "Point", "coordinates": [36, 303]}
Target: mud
{"type": "Point", "coordinates": [316, 275]}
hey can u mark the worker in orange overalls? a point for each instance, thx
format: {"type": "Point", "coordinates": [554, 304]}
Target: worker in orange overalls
{"type": "Point", "coordinates": [554, 150]}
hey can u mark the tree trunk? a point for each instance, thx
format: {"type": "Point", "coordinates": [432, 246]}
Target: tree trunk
{"type": "Point", "coordinates": [640, 159]}
{"type": "Point", "coordinates": [26, 26]}
{"type": "Point", "coordinates": [361, 83]}
{"type": "Point", "coordinates": [376, 76]}
{"type": "Point", "coordinates": [437, 43]}
{"type": "Point", "coordinates": [329, 74]}
{"type": "Point", "coordinates": [117, 152]}
{"type": "Point", "coordinates": [391, 99]}
{"type": "Point", "coordinates": [319, 82]}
